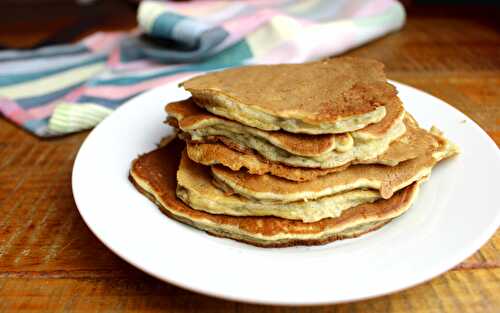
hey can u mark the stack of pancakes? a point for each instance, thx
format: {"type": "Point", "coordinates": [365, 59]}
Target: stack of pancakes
{"type": "Point", "coordinates": [282, 155]}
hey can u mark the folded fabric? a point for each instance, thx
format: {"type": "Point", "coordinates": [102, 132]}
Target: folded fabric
{"type": "Point", "coordinates": [67, 88]}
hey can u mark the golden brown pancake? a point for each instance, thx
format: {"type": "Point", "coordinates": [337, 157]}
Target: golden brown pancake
{"type": "Point", "coordinates": [415, 142]}
{"type": "Point", "coordinates": [217, 153]}
{"type": "Point", "coordinates": [395, 113]}
{"type": "Point", "coordinates": [197, 188]}
{"type": "Point", "coordinates": [299, 150]}
{"type": "Point", "coordinates": [154, 174]}
{"type": "Point", "coordinates": [200, 124]}
{"type": "Point", "coordinates": [384, 178]}
{"type": "Point", "coordinates": [332, 96]}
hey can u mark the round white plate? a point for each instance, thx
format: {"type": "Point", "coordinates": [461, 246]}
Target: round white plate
{"type": "Point", "coordinates": [456, 212]}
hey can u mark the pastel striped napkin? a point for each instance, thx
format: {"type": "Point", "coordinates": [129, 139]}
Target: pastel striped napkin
{"type": "Point", "coordinates": [62, 89]}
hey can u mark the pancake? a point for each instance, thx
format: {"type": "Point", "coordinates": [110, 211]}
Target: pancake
{"type": "Point", "coordinates": [195, 186]}
{"type": "Point", "coordinates": [386, 179]}
{"type": "Point", "coordinates": [326, 97]}
{"type": "Point", "coordinates": [154, 175]}
{"type": "Point", "coordinates": [364, 147]}
{"type": "Point", "coordinates": [414, 142]}
{"type": "Point", "coordinates": [363, 152]}
{"type": "Point", "coordinates": [201, 124]}
{"type": "Point", "coordinates": [392, 120]}
{"type": "Point", "coordinates": [217, 153]}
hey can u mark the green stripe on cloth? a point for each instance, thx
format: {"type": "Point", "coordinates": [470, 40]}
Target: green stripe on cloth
{"type": "Point", "coordinates": [68, 118]}
{"type": "Point", "coordinates": [52, 83]}
{"type": "Point", "coordinates": [12, 79]}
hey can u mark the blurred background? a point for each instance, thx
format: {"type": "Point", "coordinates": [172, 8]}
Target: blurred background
{"type": "Point", "coordinates": [28, 23]}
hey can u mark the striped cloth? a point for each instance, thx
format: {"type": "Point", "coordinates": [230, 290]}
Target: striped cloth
{"type": "Point", "coordinates": [67, 88]}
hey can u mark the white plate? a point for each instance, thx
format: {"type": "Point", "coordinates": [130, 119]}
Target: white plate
{"type": "Point", "coordinates": [456, 212]}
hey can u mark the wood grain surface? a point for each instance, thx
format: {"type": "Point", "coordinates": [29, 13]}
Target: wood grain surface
{"type": "Point", "coordinates": [51, 262]}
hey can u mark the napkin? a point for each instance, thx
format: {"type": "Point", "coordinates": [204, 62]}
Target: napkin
{"type": "Point", "coordinates": [60, 89]}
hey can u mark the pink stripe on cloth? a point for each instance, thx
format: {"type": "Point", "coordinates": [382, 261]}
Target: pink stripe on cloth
{"type": "Point", "coordinates": [241, 26]}
{"type": "Point", "coordinates": [215, 7]}
{"type": "Point", "coordinates": [8, 106]}
{"type": "Point", "coordinates": [43, 111]}
{"type": "Point", "coordinates": [20, 117]}
{"type": "Point", "coordinates": [139, 65]}
{"type": "Point", "coordinates": [103, 41]}
{"type": "Point", "coordinates": [120, 92]}
{"type": "Point", "coordinates": [13, 111]}
{"type": "Point", "coordinates": [265, 3]}
{"type": "Point", "coordinates": [114, 57]}
{"type": "Point", "coordinates": [373, 8]}
{"type": "Point", "coordinates": [196, 8]}
{"type": "Point", "coordinates": [73, 95]}
{"type": "Point", "coordinates": [93, 39]}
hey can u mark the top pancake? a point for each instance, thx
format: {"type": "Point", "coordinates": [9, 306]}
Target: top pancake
{"type": "Point", "coordinates": [333, 96]}
{"type": "Point", "coordinates": [155, 175]}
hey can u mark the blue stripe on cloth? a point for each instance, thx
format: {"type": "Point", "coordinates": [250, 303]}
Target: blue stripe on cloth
{"type": "Point", "coordinates": [108, 103]}
{"type": "Point", "coordinates": [173, 51]}
{"type": "Point", "coordinates": [164, 24]}
{"type": "Point", "coordinates": [189, 31]}
{"type": "Point", "coordinates": [28, 103]}
{"type": "Point", "coordinates": [46, 52]}
{"type": "Point", "coordinates": [26, 66]}
{"type": "Point", "coordinates": [39, 127]}
{"type": "Point", "coordinates": [232, 56]}
{"type": "Point", "coordinates": [6, 80]}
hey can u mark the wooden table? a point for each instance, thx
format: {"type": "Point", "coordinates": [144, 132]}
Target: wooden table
{"type": "Point", "coordinates": [50, 262]}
